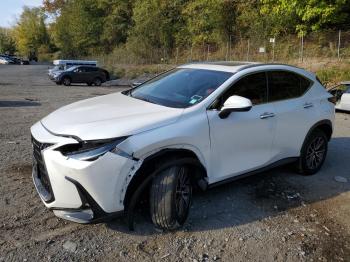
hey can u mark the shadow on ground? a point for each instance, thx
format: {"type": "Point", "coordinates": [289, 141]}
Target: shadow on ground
{"type": "Point", "coordinates": [18, 103]}
{"type": "Point", "coordinates": [259, 196]}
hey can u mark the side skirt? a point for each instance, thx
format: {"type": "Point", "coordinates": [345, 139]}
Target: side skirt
{"type": "Point", "coordinates": [259, 170]}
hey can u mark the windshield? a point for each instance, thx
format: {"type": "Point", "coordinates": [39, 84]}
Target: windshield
{"type": "Point", "coordinates": [181, 87]}
{"type": "Point", "coordinates": [72, 68]}
{"type": "Point", "coordinates": [58, 67]}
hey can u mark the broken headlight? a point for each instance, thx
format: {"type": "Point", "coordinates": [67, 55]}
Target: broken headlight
{"type": "Point", "coordinates": [91, 150]}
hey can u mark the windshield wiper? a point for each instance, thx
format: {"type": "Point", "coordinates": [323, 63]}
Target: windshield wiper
{"type": "Point", "coordinates": [147, 100]}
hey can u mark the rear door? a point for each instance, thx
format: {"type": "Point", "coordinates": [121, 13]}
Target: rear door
{"type": "Point", "coordinates": [296, 111]}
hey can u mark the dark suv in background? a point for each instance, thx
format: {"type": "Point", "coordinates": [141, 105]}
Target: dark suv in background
{"type": "Point", "coordinates": [81, 74]}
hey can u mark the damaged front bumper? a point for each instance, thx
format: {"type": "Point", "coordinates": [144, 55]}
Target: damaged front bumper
{"type": "Point", "coordinates": [80, 191]}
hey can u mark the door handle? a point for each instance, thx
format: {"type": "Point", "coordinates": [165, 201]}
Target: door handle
{"type": "Point", "coordinates": [308, 105]}
{"type": "Point", "coordinates": [266, 115]}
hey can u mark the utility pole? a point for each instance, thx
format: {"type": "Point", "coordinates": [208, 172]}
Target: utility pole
{"type": "Point", "coordinates": [339, 35]}
{"type": "Point", "coordinates": [177, 54]}
{"type": "Point", "coordinates": [230, 49]}
{"type": "Point", "coordinates": [248, 50]}
{"type": "Point", "coordinates": [226, 56]}
{"type": "Point", "coordinates": [208, 53]}
{"type": "Point", "coordinates": [302, 48]}
{"type": "Point", "coordinates": [191, 53]}
{"type": "Point", "coordinates": [273, 50]}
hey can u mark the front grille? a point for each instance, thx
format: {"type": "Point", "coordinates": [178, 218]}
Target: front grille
{"type": "Point", "coordinates": [41, 173]}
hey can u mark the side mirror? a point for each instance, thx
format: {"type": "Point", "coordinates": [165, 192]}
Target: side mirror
{"type": "Point", "coordinates": [235, 104]}
{"type": "Point", "coordinates": [136, 84]}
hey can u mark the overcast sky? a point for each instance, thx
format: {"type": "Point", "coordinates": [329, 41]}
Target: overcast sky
{"type": "Point", "coordinates": [10, 9]}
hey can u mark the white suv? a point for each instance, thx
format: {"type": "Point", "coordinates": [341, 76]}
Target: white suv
{"type": "Point", "coordinates": [197, 125]}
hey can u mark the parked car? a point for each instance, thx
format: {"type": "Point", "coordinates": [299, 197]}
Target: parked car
{"type": "Point", "coordinates": [81, 74]}
{"type": "Point", "coordinates": [198, 125]}
{"type": "Point", "coordinates": [14, 60]}
{"type": "Point", "coordinates": [62, 65]}
{"type": "Point", "coordinates": [24, 61]}
{"type": "Point", "coordinates": [341, 93]}
{"type": "Point", "coordinates": [5, 60]}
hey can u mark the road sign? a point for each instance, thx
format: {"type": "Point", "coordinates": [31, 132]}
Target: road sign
{"type": "Point", "coordinates": [261, 49]}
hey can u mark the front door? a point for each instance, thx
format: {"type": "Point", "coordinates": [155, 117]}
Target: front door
{"type": "Point", "coordinates": [242, 142]}
{"type": "Point", "coordinates": [79, 75]}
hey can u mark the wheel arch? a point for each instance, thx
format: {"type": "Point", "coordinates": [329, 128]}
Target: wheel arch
{"type": "Point", "coordinates": [66, 76]}
{"type": "Point", "coordinates": [324, 125]}
{"type": "Point", "coordinates": [157, 160]}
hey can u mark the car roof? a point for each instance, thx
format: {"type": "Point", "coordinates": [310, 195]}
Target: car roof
{"type": "Point", "coordinates": [232, 66]}
{"type": "Point", "coordinates": [63, 62]}
{"type": "Point", "coordinates": [226, 66]}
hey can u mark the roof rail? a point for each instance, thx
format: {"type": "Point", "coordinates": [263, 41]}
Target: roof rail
{"type": "Point", "coordinates": [266, 64]}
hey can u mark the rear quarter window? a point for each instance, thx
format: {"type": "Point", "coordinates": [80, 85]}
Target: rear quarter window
{"type": "Point", "coordinates": [284, 85]}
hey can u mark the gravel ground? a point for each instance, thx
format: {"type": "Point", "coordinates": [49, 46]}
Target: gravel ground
{"type": "Point", "coordinates": [277, 215]}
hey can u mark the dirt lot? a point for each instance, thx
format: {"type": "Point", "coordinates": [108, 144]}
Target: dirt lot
{"type": "Point", "coordinates": [277, 215]}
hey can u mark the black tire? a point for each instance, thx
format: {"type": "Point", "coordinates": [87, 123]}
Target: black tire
{"type": "Point", "coordinates": [66, 81]}
{"type": "Point", "coordinates": [170, 197]}
{"type": "Point", "coordinates": [89, 84]}
{"type": "Point", "coordinates": [58, 83]}
{"type": "Point", "coordinates": [313, 153]}
{"type": "Point", "coordinates": [97, 81]}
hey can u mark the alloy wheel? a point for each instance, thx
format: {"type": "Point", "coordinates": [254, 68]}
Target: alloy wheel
{"type": "Point", "coordinates": [315, 153]}
{"type": "Point", "coordinates": [183, 193]}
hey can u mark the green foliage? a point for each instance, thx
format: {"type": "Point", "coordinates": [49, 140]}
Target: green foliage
{"type": "Point", "coordinates": [209, 21]}
{"type": "Point", "coordinates": [7, 43]}
{"type": "Point", "coordinates": [30, 31]}
{"type": "Point", "coordinates": [88, 26]}
{"type": "Point", "coordinates": [308, 15]}
{"type": "Point", "coordinates": [154, 30]}
{"type": "Point", "coordinates": [335, 74]}
{"type": "Point", "coordinates": [156, 22]}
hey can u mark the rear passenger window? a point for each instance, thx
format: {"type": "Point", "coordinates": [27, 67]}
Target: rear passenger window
{"type": "Point", "coordinates": [286, 85]}
{"type": "Point", "coordinates": [253, 87]}
{"type": "Point", "coordinates": [304, 85]}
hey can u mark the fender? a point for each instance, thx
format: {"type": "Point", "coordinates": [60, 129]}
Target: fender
{"type": "Point", "coordinates": [323, 123]}
{"type": "Point", "coordinates": [154, 154]}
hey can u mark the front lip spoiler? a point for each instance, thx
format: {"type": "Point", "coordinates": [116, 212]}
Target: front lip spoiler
{"type": "Point", "coordinates": [89, 212]}
{"type": "Point", "coordinates": [84, 216]}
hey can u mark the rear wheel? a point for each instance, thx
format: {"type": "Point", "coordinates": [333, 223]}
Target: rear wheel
{"type": "Point", "coordinates": [66, 81]}
{"type": "Point", "coordinates": [170, 197]}
{"type": "Point", "coordinates": [97, 81]}
{"type": "Point", "coordinates": [313, 153]}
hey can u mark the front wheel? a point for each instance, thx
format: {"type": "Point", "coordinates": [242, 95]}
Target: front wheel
{"type": "Point", "coordinates": [170, 197]}
{"type": "Point", "coordinates": [66, 81]}
{"type": "Point", "coordinates": [313, 153]}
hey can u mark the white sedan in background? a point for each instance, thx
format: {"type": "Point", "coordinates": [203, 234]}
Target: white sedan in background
{"type": "Point", "coordinates": [342, 94]}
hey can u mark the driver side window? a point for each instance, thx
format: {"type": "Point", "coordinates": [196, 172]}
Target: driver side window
{"type": "Point", "coordinates": [253, 87]}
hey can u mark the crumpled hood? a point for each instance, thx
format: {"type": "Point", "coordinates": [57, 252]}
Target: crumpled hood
{"type": "Point", "coordinates": [109, 116]}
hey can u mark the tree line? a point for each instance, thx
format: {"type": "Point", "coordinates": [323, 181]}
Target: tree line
{"type": "Point", "coordinates": [78, 28]}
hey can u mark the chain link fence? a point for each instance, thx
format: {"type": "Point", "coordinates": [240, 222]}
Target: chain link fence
{"type": "Point", "coordinates": [333, 45]}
